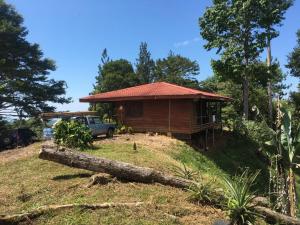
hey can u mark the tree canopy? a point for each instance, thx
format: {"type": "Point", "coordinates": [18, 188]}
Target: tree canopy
{"type": "Point", "coordinates": [294, 67]}
{"type": "Point", "coordinates": [177, 69]}
{"type": "Point", "coordinates": [116, 74]}
{"type": "Point", "coordinates": [24, 83]}
{"type": "Point", "coordinates": [232, 27]}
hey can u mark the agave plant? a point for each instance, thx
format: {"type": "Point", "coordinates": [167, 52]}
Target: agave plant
{"type": "Point", "coordinates": [204, 191]}
{"type": "Point", "coordinates": [184, 172]}
{"type": "Point", "coordinates": [239, 198]}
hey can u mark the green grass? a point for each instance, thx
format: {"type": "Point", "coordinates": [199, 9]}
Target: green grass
{"type": "Point", "coordinates": [30, 182]}
{"type": "Point", "coordinates": [43, 182]}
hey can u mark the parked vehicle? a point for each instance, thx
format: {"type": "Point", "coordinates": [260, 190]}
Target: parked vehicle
{"type": "Point", "coordinates": [93, 122]}
{"type": "Point", "coordinates": [16, 137]}
{"type": "Point", "coordinates": [97, 126]}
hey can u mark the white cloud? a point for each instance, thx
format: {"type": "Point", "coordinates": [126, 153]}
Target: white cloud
{"type": "Point", "coordinates": [186, 42]}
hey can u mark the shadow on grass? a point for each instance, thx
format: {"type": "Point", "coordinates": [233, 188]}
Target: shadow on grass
{"type": "Point", "coordinates": [230, 158]}
{"type": "Point", "coordinates": [72, 176]}
{"type": "Point", "coordinates": [238, 154]}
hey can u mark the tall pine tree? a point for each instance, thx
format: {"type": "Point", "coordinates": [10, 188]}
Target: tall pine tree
{"type": "Point", "coordinates": [145, 65]}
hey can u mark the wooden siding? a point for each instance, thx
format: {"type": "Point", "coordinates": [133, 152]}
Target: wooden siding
{"type": "Point", "coordinates": [155, 116]}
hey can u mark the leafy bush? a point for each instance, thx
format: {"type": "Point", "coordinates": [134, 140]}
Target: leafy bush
{"type": "Point", "coordinates": [72, 134]}
{"type": "Point", "coordinates": [122, 129]}
{"type": "Point", "coordinates": [239, 198]}
{"type": "Point", "coordinates": [258, 132]}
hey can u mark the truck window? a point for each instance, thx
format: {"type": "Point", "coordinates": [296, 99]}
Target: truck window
{"type": "Point", "coordinates": [81, 120]}
{"type": "Point", "coordinates": [94, 120]}
{"type": "Point", "coordinates": [97, 120]}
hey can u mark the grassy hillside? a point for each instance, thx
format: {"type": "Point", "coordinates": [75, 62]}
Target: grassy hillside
{"type": "Point", "coordinates": [27, 182]}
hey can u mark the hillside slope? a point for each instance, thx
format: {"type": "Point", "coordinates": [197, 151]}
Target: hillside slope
{"type": "Point", "coordinates": [27, 182]}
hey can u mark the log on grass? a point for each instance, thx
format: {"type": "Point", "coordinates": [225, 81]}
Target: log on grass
{"type": "Point", "coordinates": [131, 172]}
{"type": "Point", "coordinates": [16, 218]}
{"type": "Point", "coordinates": [120, 170]}
{"type": "Point", "coordinates": [273, 217]}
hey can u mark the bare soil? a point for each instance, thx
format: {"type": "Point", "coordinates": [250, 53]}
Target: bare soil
{"type": "Point", "coordinates": [19, 153]}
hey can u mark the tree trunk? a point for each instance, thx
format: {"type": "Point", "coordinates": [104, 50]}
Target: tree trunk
{"type": "Point", "coordinates": [291, 193]}
{"type": "Point", "coordinates": [246, 98]}
{"type": "Point", "coordinates": [115, 168]}
{"type": "Point", "coordinates": [270, 94]}
{"type": "Point", "coordinates": [273, 217]}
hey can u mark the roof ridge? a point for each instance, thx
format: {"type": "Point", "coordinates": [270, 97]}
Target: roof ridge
{"type": "Point", "coordinates": [182, 87]}
{"type": "Point", "coordinates": [137, 86]}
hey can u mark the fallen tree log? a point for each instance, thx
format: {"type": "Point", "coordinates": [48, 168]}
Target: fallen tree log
{"type": "Point", "coordinates": [131, 172]}
{"type": "Point", "coordinates": [273, 217]}
{"type": "Point", "coordinates": [120, 170]}
{"type": "Point", "coordinates": [16, 218]}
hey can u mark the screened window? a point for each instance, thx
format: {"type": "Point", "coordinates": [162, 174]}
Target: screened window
{"type": "Point", "coordinates": [134, 109]}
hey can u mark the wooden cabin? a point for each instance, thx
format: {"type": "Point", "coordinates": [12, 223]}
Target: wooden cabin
{"type": "Point", "coordinates": [165, 108]}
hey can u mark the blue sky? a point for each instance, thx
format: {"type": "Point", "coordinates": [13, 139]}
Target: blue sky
{"type": "Point", "coordinates": [74, 33]}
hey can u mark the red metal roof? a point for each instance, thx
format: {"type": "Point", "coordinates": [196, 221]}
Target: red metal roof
{"type": "Point", "coordinates": [158, 90]}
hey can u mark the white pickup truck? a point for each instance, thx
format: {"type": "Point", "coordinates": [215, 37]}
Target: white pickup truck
{"type": "Point", "coordinates": [93, 122]}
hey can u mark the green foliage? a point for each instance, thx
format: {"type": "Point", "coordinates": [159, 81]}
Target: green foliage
{"type": "Point", "coordinates": [239, 198]}
{"type": "Point", "coordinates": [240, 30]}
{"type": "Point", "coordinates": [34, 124]}
{"type": "Point", "coordinates": [257, 132]}
{"type": "Point", "coordinates": [72, 134]}
{"type": "Point", "coordinates": [284, 137]}
{"type": "Point", "coordinates": [204, 191]}
{"type": "Point", "coordinates": [294, 67]}
{"type": "Point", "coordinates": [145, 65]}
{"type": "Point", "coordinates": [184, 172]}
{"type": "Point", "coordinates": [115, 75]}
{"type": "Point", "coordinates": [178, 70]}
{"type": "Point", "coordinates": [112, 75]}
{"type": "Point", "coordinates": [294, 59]}
{"type": "Point", "coordinates": [24, 82]}
{"type": "Point", "coordinates": [122, 129]}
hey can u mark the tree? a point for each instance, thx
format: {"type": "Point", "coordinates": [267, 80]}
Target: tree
{"type": "Point", "coordinates": [145, 65]}
{"type": "Point", "coordinates": [177, 69]}
{"type": "Point", "coordinates": [294, 67]}
{"type": "Point", "coordinates": [104, 57]}
{"type": "Point", "coordinates": [271, 15]}
{"type": "Point", "coordinates": [104, 60]}
{"type": "Point", "coordinates": [116, 75]}
{"type": "Point", "coordinates": [232, 27]}
{"type": "Point", "coordinates": [113, 75]}
{"type": "Point", "coordinates": [24, 83]}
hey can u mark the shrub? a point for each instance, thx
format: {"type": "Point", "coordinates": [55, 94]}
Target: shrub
{"type": "Point", "coordinates": [239, 198]}
{"type": "Point", "coordinates": [122, 129]}
{"type": "Point", "coordinates": [204, 192]}
{"type": "Point", "coordinates": [184, 172]}
{"type": "Point", "coordinates": [72, 134]}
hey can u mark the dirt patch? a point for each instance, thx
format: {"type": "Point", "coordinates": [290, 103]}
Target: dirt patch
{"type": "Point", "coordinates": [19, 153]}
{"type": "Point", "coordinates": [155, 141]}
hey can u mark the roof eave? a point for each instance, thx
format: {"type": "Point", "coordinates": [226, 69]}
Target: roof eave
{"type": "Point", "coordinates": [133, 98]}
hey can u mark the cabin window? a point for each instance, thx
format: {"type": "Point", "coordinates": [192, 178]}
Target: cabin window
{"type": "Point", "coordinates": [134, 109]}
{"type": "Point", "coordinates": [207, 112]}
